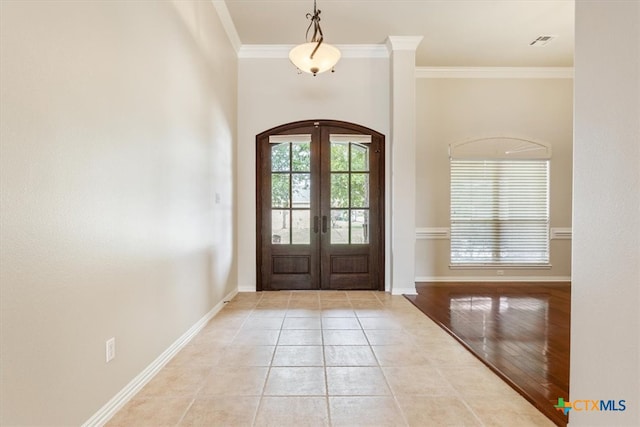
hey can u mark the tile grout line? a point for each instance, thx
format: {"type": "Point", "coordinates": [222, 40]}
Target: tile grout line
{"type": "Point", "coordinates": [255, 414]}
{"type": "Point", "coordinates": [393, 395]}
{"type": "Point", "coordinates": [324, 368]}
{"type": "Point", "coordinates": [266, 379]}
{"type": "Point", "coordinates": [195, 396]}
{"type": "Point", "coordinates": [367, 307]}
{"type": "Point", "coordinates": [186, 410]}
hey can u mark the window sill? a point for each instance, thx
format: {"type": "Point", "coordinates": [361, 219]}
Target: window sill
{"type": "Point", "coordinates": [500, 266]}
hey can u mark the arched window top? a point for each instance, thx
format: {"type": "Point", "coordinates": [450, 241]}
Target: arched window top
{"type": "Point", "coordinates": [500, 147]}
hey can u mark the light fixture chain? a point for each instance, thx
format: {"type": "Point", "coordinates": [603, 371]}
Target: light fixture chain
{"type": "Point", "coordinates": [328, 55]}
{"type": "Point", "coordinates": [315, 21]}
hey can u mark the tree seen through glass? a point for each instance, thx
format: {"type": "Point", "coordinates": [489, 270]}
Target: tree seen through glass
{"type": "Point", "coordinates": [349, 190]}
{"type": "Point", "coordinates": [290, 188]}
{"type": "Point", "coordinates": [291, 192]}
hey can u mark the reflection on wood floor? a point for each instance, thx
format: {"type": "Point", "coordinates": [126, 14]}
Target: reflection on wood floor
{"type": "Point", "coordinates": [520, 330]}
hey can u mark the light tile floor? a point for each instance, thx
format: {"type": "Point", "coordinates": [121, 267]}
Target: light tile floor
{"type": "Point", "coordinates": [325, 359]}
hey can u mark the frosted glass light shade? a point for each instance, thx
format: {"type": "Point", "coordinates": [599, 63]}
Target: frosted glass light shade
{"type": "Point", "coordinates": [325, 58]}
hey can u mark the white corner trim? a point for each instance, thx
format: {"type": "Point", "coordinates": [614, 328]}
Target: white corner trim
{"type": "Point", "coordinates": [435, 233]}
{"type": "Point", "coordinates": [493, 279]}
{"type": "Point", "coordinates": [403, 42]}
{"type": "Point", "coordinates": [227, 23]}
{"type": "Point", "coordinates": [403, 291]}
{"type": "Point", "coordinates": [281, 51]}
{"type": "Point", "coordinates": [494, 72]}
{"type": "Point", "coordinates": [105, 413]}
{"type": "Point", "coordinates": [561, 233]}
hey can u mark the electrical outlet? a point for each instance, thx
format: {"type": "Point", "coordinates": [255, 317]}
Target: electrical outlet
{"type": "Point", "coordinates": [500, 272]}
{"type": "Point", "coordinates": [110, 346]}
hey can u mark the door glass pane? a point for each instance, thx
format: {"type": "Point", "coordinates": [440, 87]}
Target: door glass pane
{"type": "Point", "coordinates": [280, 159]}
{"type": "Point", "coordinates": [301, 190]}
{"type": "Point", "coordinates": [300, 226]}
{"type": "Point", "coordinates": [280, 190]}
{"type": "Point", "coordinates": [359, 158]}
{"type": "Point", "coordinates": [301, 156]}
{"type": "Point", "coordinates": [350, 188]}
{"type": "Point", "coordinates": [339, 190]}
{"type": "Point", "coordinates": [280, 226]}
{"type": "Point", "coordinates": [290, 190]}
{"type": "Point", "coordinates": [339, 226]}
{"type": "Point", "coordinates": [360, 190]}
{"type": "Point", "coordinates": [360, 226]}
{"type": "Point", "coordinates": [339, 156]}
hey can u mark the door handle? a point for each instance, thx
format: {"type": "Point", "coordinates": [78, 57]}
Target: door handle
{"type": "Point", "coordinates": [324, 223]}
{"type": "Point", "coordinates": [315, 224]}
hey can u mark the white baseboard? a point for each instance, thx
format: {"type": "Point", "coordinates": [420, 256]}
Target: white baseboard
{"type": "Point", "coordinates": [493, 279]}
{"type": "Point", "coordinates": [105, 413]}
{"type": "Point", "coordinates": [247, 288]}
{"type": "Point", "coordinates": [404, 291]}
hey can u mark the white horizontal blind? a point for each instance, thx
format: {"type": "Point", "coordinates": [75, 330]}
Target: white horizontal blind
{"type": "Point", "coordinates": [499, 212]}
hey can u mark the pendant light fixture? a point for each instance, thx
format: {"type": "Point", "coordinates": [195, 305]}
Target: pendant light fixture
{"type": "Point", "coordinates": [315, 56]}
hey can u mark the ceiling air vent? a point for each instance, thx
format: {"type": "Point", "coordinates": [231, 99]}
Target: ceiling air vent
{"type": "Point", "coordinates": [542, 40]}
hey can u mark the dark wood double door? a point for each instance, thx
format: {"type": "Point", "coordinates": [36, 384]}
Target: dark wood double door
{"type": "Point", "coordinates": [320, 207]}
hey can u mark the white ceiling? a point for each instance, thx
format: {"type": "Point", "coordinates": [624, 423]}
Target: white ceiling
{"type": "Point", "coordinates": [473, 33]}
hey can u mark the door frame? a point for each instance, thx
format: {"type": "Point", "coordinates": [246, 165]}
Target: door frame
{"type": "Point", "coordinates": [283, 129]}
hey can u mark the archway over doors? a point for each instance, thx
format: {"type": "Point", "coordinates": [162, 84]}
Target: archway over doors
{"type": "Point", "coordinates": [320, 207]}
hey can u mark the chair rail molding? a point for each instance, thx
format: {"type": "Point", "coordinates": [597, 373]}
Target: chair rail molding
{"type": "Point", "coordinates": [561, 233]}
{"type": "Point", "coordinates": [433, 233]}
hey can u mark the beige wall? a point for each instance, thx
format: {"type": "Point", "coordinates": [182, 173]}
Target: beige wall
{"type": "Point", "coordinates": [117, 134]}
{"type": "Point", "coordinates": [605, 292]}
{"type": "Point", "coordinates": [455, 110]}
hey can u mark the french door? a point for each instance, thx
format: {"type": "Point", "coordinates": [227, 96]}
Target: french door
{"type": "Point", "coordinates": [320, 207]}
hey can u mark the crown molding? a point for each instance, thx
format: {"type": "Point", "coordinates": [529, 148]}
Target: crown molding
{"type": "Point", "coordinates": [280, 51]}
{"type": "Point", "coordinates": [363, 50]}
{"type": "Point", "coordinates": [227, 23]}
{"type": "Point", "coordinates": [276, 51]}
{"type": "Point", "coordinates": [494, 72]}
{"type": "Point", "coordinates": [383, 50]}
{"type": "Point", "coordinates": [403, 42]}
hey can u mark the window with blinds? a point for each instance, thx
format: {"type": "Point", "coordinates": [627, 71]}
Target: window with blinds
{"type": "Point", "coordinates": [499, 212]}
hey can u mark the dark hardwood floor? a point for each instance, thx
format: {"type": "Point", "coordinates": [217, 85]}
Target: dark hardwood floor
{"type": "Point", "coordinates": [519, 330]}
